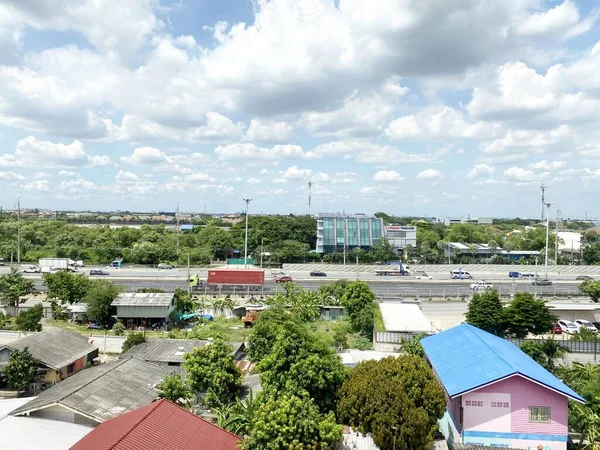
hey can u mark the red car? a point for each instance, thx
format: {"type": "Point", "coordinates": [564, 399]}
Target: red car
{"type": "Point", "coordinates": [556, 329]}
{"type": "Point", "coordinates": [283, 279]}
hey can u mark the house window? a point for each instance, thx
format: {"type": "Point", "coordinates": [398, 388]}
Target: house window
{"type": "Point", "coordinates": [474, 403]}
{"type": "Point", "coordinates": [539, 414]}
{"type": "Point", "coordinates": [70, 368]}
{"type": "Point", "coordinates": [500, 405]}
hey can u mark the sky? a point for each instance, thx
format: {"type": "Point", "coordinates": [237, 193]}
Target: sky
{"type": "Point", "coordinates": [412, 107]}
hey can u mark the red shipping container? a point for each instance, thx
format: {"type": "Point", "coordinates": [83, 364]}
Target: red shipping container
{"type": "Point", "coordinates": [242, 277]}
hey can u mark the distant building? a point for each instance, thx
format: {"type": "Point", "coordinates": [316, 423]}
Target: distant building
{"type": "Point", "coordinates": [471, 220]}
{"type": "Point", "coordinates": [144, 309]}
{"type": "Point", "coordinates": [399, 236]}
{"type": "Point", "coordinates": [496, 395]}
{"type": "Point", "coordinates": [336, 231]}
{"type": "Point", "coordinates": [569, 241]}
{"type": "Point", "coordinates": [485, 251]}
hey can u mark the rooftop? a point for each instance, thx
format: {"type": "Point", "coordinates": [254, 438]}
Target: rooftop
{"type": "Point", "coordinates": [103, 392]}
{"type": "Point", "coordinates": [143, 299]}
{"type": "Point", "coordinates": [169, 350]}
{"type": "Point", "coordinates": [159, 425]}
{"type": "Point", "coordinates": [399, 316]}
{"type": "Point", "coordinates": [54, 347]}
{"type": "Point", "coordinates": [456, 355]}
{"type": "Point", "coordinates": [347, 216]}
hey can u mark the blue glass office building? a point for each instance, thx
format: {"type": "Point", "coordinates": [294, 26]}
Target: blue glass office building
{"type": "Point", "coordinates": [334, 231]}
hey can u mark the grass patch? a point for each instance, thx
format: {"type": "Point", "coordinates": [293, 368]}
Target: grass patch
{"type": "Point", "coordinates": [379, 326]}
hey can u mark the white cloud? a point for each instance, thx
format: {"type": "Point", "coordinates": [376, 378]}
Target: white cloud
{"type": "Point", "coordinates": [480, 170]}
{"type": "Point", "coordinates": [269, 131]}
{"type": "Point", "coordinates": [126, 176]}
{"type": "Point", "coordinates": [295, 173]}
{"type": "Point", "coordinates": [11, 176]}
{"type": "Point", "coordinates": [548, 165]}
{"type": "Point", "coordinates": [519, 174]}
{"type": "Point", "coordinates": [280, 192]}
{"type": "Point", "coordinates": [252, 151]}
{"type": "Point", "coordinates": [429, 174]}
{"type": "Point", "coordinates": [529, 139]}
{"type": "Point", "coordinates": [387, 175]}
{"type": "Point", "coordinates": [68, 173]}
{"type": "Point", "coordinates": [32, 152]}
{"type": "Point", "coordinates": [563, 18]}
{"type": "Point", "coordinates": [39, 185]}
{"type": "Point", "coordinates": [145, 155]}
{"type": "Point", "coordinates": [253, 181]}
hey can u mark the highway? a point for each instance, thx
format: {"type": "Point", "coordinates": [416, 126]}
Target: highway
{"type": "Point", "coordinates": [392, 287]}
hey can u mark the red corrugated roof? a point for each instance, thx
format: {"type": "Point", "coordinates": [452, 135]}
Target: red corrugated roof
{"type": "Point", "coordinates": [158, 426]}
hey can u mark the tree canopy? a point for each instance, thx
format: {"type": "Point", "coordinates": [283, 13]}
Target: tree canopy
{"type": "Point", "coordinates": [591, 288]}
{"type": "Point", "coordinates": [527, 315]}
{"type": "Point", "coordinates": [21, 369]}
{"type": "Point", "coordinates": [99, 296]}
{"type": "Point", "coordinates": [485, 311]}
{"type": "Point", "coordinates": [29, 319]}
{"type": "Point", "coordinates": [398, 400]}
{"type": "Point", "coordinates": [13, 287]}
{"type": "Point", "coordinates": [173, 388]}
{"type": "Point", "coordinates": [66, 286]}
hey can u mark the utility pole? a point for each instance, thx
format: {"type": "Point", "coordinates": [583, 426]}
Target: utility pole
{"type": "Point", "coordinates": [177, 218]}
{"type": "Point", "coordinates": [345, 234]}
{"type": "Point", "coordinates": [357, 268]}
{"type": "Point", "coordinates": [309, 195]}
{"type": "Point", "coordinates": [19, 230]}
{"type": "Point", "coordinates": [188, 275]}
{"type": "Point", "coordinates": [262, 243]}
{"type": "Point", "coordinates": [556, 237]}
{"type": "Point", "coordinates": [543, 188]}
{"type": "Point", "coordinates": [247, 200]}
{"type": "Point", "coordinates": [547, 239]}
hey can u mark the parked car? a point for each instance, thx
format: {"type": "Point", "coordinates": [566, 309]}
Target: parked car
{"type": "Point", "coordinates": [542, 282]}
{"type": "Point", "coordinates": [583, 278]}
{"type": "Point", "coordinates": [283, 279]}
{"type": "Point", "coordinates": [422, 275]}
{"type": "Point", "coordinates": [582, 323]}
{"type": "Point", "coordinates": [567, 326]}
{"type": "Point", "coordinates": [98, 272]}
{"type": "Point", "coordinates": [164, 266]}
{"type": "Point", "coordinates": [318, 274]}
{"type": "Point", "coordinates": [556, 329]}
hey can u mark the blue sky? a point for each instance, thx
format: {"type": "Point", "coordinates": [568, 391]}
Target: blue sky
{"type": "Point", "coordinates": [406, 106]}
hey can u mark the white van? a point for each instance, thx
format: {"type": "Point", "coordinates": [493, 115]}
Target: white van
{"type": "Point", "coordinates": [460, 275]}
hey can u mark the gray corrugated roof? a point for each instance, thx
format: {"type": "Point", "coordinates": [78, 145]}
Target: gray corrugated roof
{"type": "Point", "coordinates": [104, 391]}
{"type": "Point", "coordinates": [54, 347]}
{"type": "Point", "coordinates": [169, 350]}
{"type": "Point", "coordinates": [143, 299]}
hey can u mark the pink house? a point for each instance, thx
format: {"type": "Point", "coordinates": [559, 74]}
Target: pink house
{"type": "Point", "coordinates": [497, 395]}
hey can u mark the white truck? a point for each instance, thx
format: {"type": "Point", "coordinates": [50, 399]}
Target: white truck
{"type": "Point", "coordinates": [481, 286]}
{"type": "Point", "coordinates": [49, 265]}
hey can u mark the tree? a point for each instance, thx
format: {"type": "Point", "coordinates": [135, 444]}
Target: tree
{"type": "Point", "coordinates": [413, 346]}
{"type": "Point", "coordinates": [591, 288]}
{"type": "Point", "coordinates": [300, 360]}
{"type": "Point", "coordinates": [183, 301]}
{"type": "Point", "coordinates": [264, 333]}
{"type": "Point", "coordinates": [99, 297]}
{"type": "Point", "coordinates": [21, 369]}
{"type": "Point", "coordinates": [544, 353]}
{"type": "Point", "coordinates": [29, 320]}
{"type": "Point", "coordinates": [287, 421]}
{"type": "Point", "coordinates": [211, 371]}
{"type": "Point", "coordinates": [132, 340]}
{"type": "Point", "coordinates": [237, 416]}
{"type": "Point", "coordinates": [398, 400]}
{"type": "Point", "coordinates": [66, 286]}
{"type": "Point", "coordinates": [527, 315]}
{"type": "Point", "coordinates": [173, 388]}
{"type": "Point", "coordinates": [485, 311]}
{"type": "Point", "coordinates": [118, 328]}
{"type": "Point", "coordinates": [359, 301]}
{"type": "Point", "coordinates": [14, 286]}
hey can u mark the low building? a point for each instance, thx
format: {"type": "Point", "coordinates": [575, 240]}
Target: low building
{"type": "Point", "coordinates": [77, 311]}
{"type": "Point", "coordinates": [169, 353]}
{"type": "Point", "coordinates": [159, 425]}
{"type": "Point", "coordinates": [61, 354]}
{"type": "Point", "coordinates": [404, 317]}
{"type": "Point", "coordinates": [497, 395]}
{"type": "Point", "coordinates": [484, 251]}
{"type": "Point", "coordinates": [136, 309]}
{"type": "Point", "coordinates": [27, 433]}
{"type": "Point", "coordinates": [338, 231]}
{"type": "Point", "coordinates": [471, 220]}
{"type": "Point", "coordinates": [569, 242]}
{"type": "Point", "coordinates": [29, 303]}
{"type": "Point", "coordinates": [400, 236]}
{"type": "Point", "coordinates": [99, 393]}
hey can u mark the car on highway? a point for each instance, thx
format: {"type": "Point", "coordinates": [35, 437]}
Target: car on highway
{"type": "Point", "coordinates": [164, 266]}
{"type": "Point", "coordinates": [481, 286]}
{"type": "Point", "coordinates": [283, 279]}
{"type": "Point", "coordinates": [31, 269]}
{"type": "Point", "coordinates": [556, 329]}
{"type": "Point", "coordinates": [318, 274]}
{"type": "Point", "coordinates": [567, 326]}
{"type": "Point", "coordinates": [583, 278]}
{"type": "Point", "coordinates": [542, 282]}
{"type": "Point", "coordinates": [421, 275]}
{"type": "Point", "coordinates": [98, 272]}
{"type": "Point", "coordinates": [582, 323]}
{"type": "Point", "coordinates": [460, 275]}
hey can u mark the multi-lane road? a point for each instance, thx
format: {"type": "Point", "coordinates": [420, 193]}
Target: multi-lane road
{"type": "Point", "coordinates": [408, 287]}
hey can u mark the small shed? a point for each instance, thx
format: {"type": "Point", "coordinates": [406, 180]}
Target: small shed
{"type": "Point", "coordinates": [404, 317]}
{"type": "Point", "coordinates": [144, 309]}
{"type": "Point", "coordinates": [77, 311]}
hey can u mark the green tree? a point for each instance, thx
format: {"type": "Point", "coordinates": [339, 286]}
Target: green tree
{"type": "Point", "coordinates": [132, 340]}
{"type": "Point", "coordinates": [527, 315]}
{"type": "Point", "coordinates": [590, 253]}
{"type": "Point", "coordinates": [211, 372]}
{"type": "Point", "coordinates": [591, 288]}
{"type": "Point", "coordinates": [29, 320]}
{"type": "Point", "coordinates": [173, 388]}
{"type": "Point", "coordinates": [413, 346]}
{"type": "Point", "coordinates": [290, 422]}
{"type": "Point", "coordinates": [66, 286]}
{"type": "Point", "coordinates": [544, 353]}
{"type": "Point", "coordinates": [119, 329]}
{"type": "Point", "coordinates": [337, 289]}
{"type": "Point", "coordinates": [300, 360]}
{"type": "Point", "coordinates": [13, 287]}
{"type": "Point", "coordinates": [99, 297]}
{"type": "Point", "coordinates": [237, 416]}
{"type": "Point", "coordinates": [485, 311]}
{"type": "Point", "coordinates": [398, 400]}
{"type": "Point", "coordinates": [21, 369]}
{"type": "Point", "coordinates": [265, 331]}
{"type": "Point", "coordinates": [359, 301]}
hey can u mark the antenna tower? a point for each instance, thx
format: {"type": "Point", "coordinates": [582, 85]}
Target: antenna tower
{"type": "Point", "coordinates": [309, 195]}
{"type": "Point", "coordinates": [543, 188]}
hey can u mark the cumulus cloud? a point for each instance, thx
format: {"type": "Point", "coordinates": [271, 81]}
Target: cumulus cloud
{"type": "Point", "coordinates": [480, 170]}
{"type": "Point", "coordinates": [519, 174]}
{"type": "Point", "coordinates": [387, 175]}
{"type": "Point", "coordinates": [252, 151]}
{"type": "Point", "coordinates": [429, 174]}
{"type": "Point", "coordinates": [34, 153]}
{"type": "Point", "coordinates": [269, 130]}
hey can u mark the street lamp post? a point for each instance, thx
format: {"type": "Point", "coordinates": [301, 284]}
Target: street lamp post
{"type": "Point", "coordinates": [547, 239]}
{"type": "Point", "coordinates": [247, 200]}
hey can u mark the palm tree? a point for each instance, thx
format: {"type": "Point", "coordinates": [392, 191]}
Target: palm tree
{"type": "Point", "coordinates": [413, 346]}
{"type": "Point", "coordinates": [236, 417]}
{"type": "Point", "coordinates": [551, 350]}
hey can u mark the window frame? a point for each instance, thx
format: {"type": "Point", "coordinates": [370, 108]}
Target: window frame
{"type": "Point", "coordinates": [537, 419]}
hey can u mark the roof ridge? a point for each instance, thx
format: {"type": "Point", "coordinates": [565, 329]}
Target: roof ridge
{"type": "Point", "coordinates": [204, 420]}
{"type": "Point", "coordinates": [470, 328]}
{"type": "Point", "coordinates": [154, 405]}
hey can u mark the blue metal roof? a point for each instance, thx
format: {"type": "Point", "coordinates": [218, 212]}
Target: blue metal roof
{"type": "Point", "coordinates": [465, 358]}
